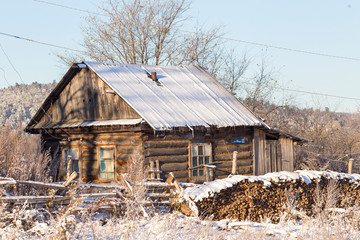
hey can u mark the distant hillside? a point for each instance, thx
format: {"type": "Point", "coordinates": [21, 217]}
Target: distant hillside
{"type": "Point", "coordinates": [20, 102]}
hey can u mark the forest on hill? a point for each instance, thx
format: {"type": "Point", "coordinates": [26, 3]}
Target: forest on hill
{"type": "Point", "coordinates": [20, 102]}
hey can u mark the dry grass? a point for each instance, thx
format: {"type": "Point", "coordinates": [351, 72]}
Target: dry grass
{"type": "Point", "coordinates": [21, 157]}
{"type": "Point", "coordinates": [22, 223]}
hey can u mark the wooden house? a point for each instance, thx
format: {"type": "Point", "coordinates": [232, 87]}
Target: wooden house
{"type": "Point", "coordinates": [105, 116]}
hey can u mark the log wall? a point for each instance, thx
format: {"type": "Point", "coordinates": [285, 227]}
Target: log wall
{"type": "Point", "coordinates": [173, 152]}
{"type": "Point", "coordinates": [273, 155]}
{"type": "Point", "coordinates": [126, 145]}
{"type": "Point", "coordinates": [287, 154]}
{"type": "Point", "coordinates": [86, 98]}
{"type": "Point", "coordinates": [262, 164]}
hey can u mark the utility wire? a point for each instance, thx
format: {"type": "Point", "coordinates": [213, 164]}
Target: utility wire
{"type": "Point", "coordinates": [12, 65]}
{"type": "Point", "coordinates": [43, 43]}
{"type": "Point", "coordinates": [21, 79]}
{"type": "Point", "coordinates": [230, 39]}
{"type": "Point", "coordinates": [291, 49]}
{"type": "Point", "coordinates": [225, 38]}
{"type": "Point", "coordinates": [66, 48]}
{"type": "Point", "coordinates": [5, 76]}
{"type": "Point", "coordinates": [68, 7]}
{"type": "Point", "coordinates": [307, 92]}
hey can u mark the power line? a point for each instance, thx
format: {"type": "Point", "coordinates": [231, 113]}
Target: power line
{"type": "Point", "coordinates": [12, 65]}
{"type": "Point", "coordinates": [68, 7]}
{"type": "Point", "coordinates": [43, 43]}
{"type": "Point", "coordinates": [66, 48]}
{"type": "Point", "coordinates": [21, 79]}
{"type": "Point", "coordinates": [308, 92]}
{"type": "Point", "coordinates": [231, 39]}
{"type": "Point", "coordinates": [5, 76]}
{"type": "Point", "coordinates": [292, 49]}
{"type": "Point", "coordinates": [320, 94]}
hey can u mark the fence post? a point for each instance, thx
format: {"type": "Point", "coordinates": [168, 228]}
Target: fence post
{"type": "Point", "coordinates": [152, 174]}
{"type": "Point", "coordinates": [206, 169]}
{"type": "Point", "coordinates": [233, 170]}
{"type": "Point", "coordinates": [157, 169]}
{"type": "Point", "coordinates": [351, 161]}
{"type": "Point", "coordinates": [69, 167]}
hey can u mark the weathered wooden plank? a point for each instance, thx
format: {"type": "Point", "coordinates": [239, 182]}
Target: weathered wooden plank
{"type": "Point", "coordinates": [169, 159]}
{"type": "Point", "coordinates": [231, 148]}
{"type": "Point", "coordinates": [171, 167]}
{"type": "Point", "coordinates": [89, 158]}
{"type": "Point", "coordinates": [177, 174]}
{"type": "Point", "coordinates": [115, 141]}
{"type": "Point", "coordinates": [228, 156]}
{"type": "Point", "coordinates": [90, 165]}
{"type": "Point", "coordinates": [93, 153]}
{"type": "Point", "coordinates": [183, 180]}
{"type": "Point", "coordinates": [181, 174]}
{"type": "Point", "coordinates": [240, 170]}
{"type": "Point", "coordinates": [90, 172]}
{"type": "Point", "coordinates": [35, 199]}
{"type": "Point", "coordinates": [222, 171]}
{"type": "Point", "coordinates": [245, 170]}
{"type": "Point", "coordinates": [228, 164]}
{"type": "Point", "coordinates": [126, 157]}
{"type": "Point", "coordinates": [127, 149]}
{"type": "Point", "coordinates": [165, 151]}
{"type": "Point", "coordinates": [230, 140]}
{"type": "Point", "coordinates": [164, 144]}
{"type": "Point", "coordinates": [168, 137]}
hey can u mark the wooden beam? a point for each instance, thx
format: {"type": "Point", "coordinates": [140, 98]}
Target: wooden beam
{"type": "Point", "coordinates": [233, 170]}
{"type": "Point", "coordinates": [351, 161]}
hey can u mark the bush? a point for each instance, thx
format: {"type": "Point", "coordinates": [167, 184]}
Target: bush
{"type": "Point", "coordinates": [21, 156]}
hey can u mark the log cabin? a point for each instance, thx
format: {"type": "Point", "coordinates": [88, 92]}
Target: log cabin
{"type": "Point", "coordinates": [104, 116]}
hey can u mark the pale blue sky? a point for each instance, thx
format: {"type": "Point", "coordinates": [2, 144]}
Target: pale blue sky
{"type": "Point", "coordinates": [323, 26]}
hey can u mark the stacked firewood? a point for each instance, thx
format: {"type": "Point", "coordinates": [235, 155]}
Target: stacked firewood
{"type": "Point", "coordinates": [254, 201]}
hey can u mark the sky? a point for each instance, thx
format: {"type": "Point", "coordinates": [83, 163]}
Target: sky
{"type": "Point", "coordinates": [313, 46]}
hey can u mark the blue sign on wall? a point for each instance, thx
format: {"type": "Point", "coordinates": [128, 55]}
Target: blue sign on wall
{"type": "Point", "coordinates": [239, 140]}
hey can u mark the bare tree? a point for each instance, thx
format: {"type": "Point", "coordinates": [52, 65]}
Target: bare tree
{"type": "Point", "coordinates": [147, 32]}
{"type": "Point", "coordinates": [232, 70]}
{"type": "Point", "coordinates": [260, 88]}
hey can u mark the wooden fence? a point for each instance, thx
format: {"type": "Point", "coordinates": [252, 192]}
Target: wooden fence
{"type": "Point", "coordinates": [50, 194]}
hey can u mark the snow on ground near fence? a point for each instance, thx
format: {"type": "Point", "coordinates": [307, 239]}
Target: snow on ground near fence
{"type": "Point", "coordinates": [177, 226]}
{"type": "Point", "coordinates": [208, 189]}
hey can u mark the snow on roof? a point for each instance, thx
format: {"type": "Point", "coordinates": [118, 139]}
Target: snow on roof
{"type": "Point", "coordinates": [96, 123]}
{"type": "Point", "coordinates": [208, 189]}
{"type": "Point", "coordinates": [182, 96]}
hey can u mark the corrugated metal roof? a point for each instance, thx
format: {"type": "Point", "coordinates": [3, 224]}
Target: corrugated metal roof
{"type": "Point", "coordinates": [95, 123]}
{"type": "Point", "coordinates": [295, 138]}
{"type": "Point", "coordinates": [183, 97]}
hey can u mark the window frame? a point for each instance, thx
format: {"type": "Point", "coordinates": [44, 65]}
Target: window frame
{"type": "Point", "coordinates": [113, 147]}
{"type": "Point", "coordinates": [207, 147]}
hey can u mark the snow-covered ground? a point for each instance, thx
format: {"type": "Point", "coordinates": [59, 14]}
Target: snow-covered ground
{"type": "Point", "coordinates": [329, 224]}
{"type": "Point", "coordinates": [178, 226]}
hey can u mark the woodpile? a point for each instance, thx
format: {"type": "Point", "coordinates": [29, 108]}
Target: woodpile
{"type": "Point", "coordinates": [259, 198]}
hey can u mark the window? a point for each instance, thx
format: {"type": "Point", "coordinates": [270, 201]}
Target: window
{"type": "Point", "coordinates": [74, 154]}
{"type": "Point", "coordinates": [200, 155]}
{"type": "Point", "coordinates": [107, 163]}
